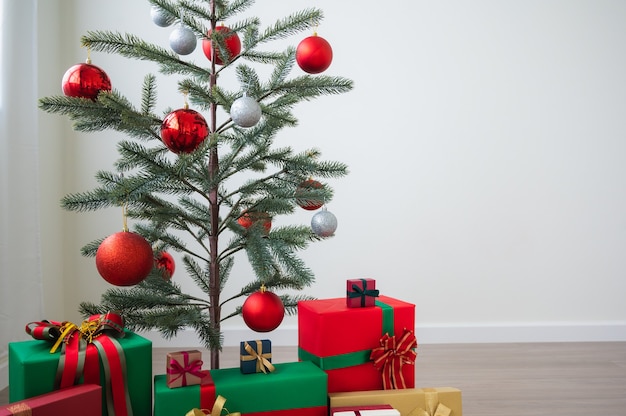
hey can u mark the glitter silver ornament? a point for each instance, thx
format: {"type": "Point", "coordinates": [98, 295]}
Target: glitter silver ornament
{"type": "Point", "coordinates": [182, 40]}
{"type": "Point", "coordinates": [159, 17]}
{"type": "Point", "coordinates": [324, 223]}
{"type": "Point", "coordinates": [245, 111]}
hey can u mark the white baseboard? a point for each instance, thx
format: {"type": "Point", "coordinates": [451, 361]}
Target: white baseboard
{"type": "Point", "coordinates": [4, 372]}
{"type": "Point", "coordinates": [555, 332]}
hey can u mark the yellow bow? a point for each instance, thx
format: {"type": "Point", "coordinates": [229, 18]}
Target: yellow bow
{"type": "Point", "coordinates": [218, 406]}
{"type": "Point", "coordinates": [262, 358]}
{"type": "Point", "coordinates": [88, 331]}
{"type": "Point", "coordinates": [433, 407]}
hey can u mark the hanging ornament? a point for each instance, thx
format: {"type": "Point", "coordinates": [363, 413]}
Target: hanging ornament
{"type": "Point", "coordinates": [245, 111]}
{"type": "Point", "coordinates": [160, 17]}
{"type": "Point", "coordinates": [314, 54]}
{"type": "Point", "coordinates": [165, 262]}
{"type": "Point", "coordinates": [251, 218]}
{"type": "Point", "coordinates": [324, 223]}
{"type": "Point", "coordinates": [231, 41]}
{"type": "Point", "coordinates": [308, 204]}
{"type": "Point", "coordinates": [182, 40]}
{"type": "Point", "coordinates": [183, 130]}
{"type": "Point", "coordinates": [263, 311]}
{"type": "Point", "coordinates": [124, 258]}
{"type": "Point", "coordinates": [85, 80]}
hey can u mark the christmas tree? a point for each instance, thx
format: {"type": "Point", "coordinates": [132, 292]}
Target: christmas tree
{"type": "Point", "coordinates": [205, 179]}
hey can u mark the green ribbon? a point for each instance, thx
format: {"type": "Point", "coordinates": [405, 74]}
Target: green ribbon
{"type": "Point", "coordinates": [351, 359]}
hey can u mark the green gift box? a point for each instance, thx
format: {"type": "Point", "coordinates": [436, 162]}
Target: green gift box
{"type": "Point", "coordinates": [298, 388]}
{"type": "Point", "coordinates": [33, 370]}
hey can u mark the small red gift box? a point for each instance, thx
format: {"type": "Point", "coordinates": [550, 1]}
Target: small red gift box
{"type": "Point", "coordinates": [184, 368]}
{"type": "Point", "coordinates": [84, 399]}
{"type": "Point", "coordinates": [374, 410]}
{"type": "Point", "coordinates": [361, 293]}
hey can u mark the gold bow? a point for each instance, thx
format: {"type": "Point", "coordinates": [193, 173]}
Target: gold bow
{"type": "Point", "coordinates": [218, 406]}
{"type": "Point", "coordinates": [261, 358]}
{"type": "Point", "coordinates": [88, 331]}
{"type": "Point", "coordinates": [433, 407]}
{"type": "Point", "coordinates": [20, 409]}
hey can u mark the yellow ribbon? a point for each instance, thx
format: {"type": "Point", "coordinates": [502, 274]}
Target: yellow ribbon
{"type": "Point", "coordinates": [20, 409]}
{"type": "Point", "coordinates": [433, 407]}
{"type": "Point", "coordinates": [88, 331]}
{"type": "Point", "coordinates": [261, 358]}
{"type": "Point", "coordinates": [218, 406]}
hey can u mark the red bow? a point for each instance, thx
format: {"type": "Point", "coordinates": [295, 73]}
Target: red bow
{"type": "Point", "coordinates": [392, 355]}
{"type": "Point", "coordinates": [81, 347]}
{"type": "Point", "coordinates": [194, 368]}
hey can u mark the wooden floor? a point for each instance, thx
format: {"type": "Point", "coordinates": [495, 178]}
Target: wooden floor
{"type": "Point", "coordinates": [555, 379]}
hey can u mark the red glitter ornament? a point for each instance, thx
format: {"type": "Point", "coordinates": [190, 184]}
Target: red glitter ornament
{"type": "Point", "coordinates": [250, 218]}
{"type": "Point", "coordinates": [231, 41]}
{"type": "Point", "coordinates": [183, 130]}
{"type": "Point", "coordinates": [85, 80]}
{"type": "Point", "coordinates": [165, 262]}
{"type": "Point", "coordinates": [309, 205]}
{"type": "Point", "coordinates": [314, 54]}
{"type": "Point", "coordinates": [124, 258]}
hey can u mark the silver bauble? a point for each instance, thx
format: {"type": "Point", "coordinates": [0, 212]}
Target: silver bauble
{"type": "Point", "coordinates": [182, 40]}
{"type": "Point", "coordinates": [245, 111]}
{"type": "Point", "coordinates": [159, 17]}
{"type": "Point", "coordinates": [324, 223]}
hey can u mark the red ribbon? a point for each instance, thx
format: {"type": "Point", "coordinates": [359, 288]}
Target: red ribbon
{"type": "Point", "coordinates": [193, 368]}
{"type": "Point", "coordinates": [392, 355]}
{"type": "Point", "coordinates": [82, 348]}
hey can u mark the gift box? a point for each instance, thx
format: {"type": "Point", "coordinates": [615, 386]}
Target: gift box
{"type": "Point", "coordinates": [340, 340]}
{"type": "Point", "coordinates": [184, 368]}
{"type": "Point", "coordinates": [440, 401]}
{"type": "Point", "coordinates": [123, 367]}
{"type": "Point", "coordinates": [298, 388]}
{"type": "Point", "coordinates": [374, 410]}
{"type": "Point", "coordinates": [361, 293]}
{"type": "Point", "coordinates": [85, 399]}
{"type": "Point", "coordinates": [256, 356]}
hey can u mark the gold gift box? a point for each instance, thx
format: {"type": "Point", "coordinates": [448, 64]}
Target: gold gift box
{"type": "Point", "coordinates": [438, 401]}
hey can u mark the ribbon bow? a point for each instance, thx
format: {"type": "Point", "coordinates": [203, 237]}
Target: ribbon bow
{"type": "Point", "coordinates": [20, 409]}
{"type": "Point", "coordinates": [392, 355]}
{"type": "Point", "coordinates": [262, 362]}
{"type": "Point", "coordinates": [218, 407]}
{"type": "Point", "coordinates": [81, 347]}
{"type": "Point", "coordinates": [194, 368]}
{"type": "Point", "coordinates": [362, 292]}
{"type": "Point", "coordinates": [433, 407]}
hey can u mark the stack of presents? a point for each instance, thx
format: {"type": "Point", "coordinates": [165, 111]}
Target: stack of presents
{"type": "Point", "coordinates": [356, 357]}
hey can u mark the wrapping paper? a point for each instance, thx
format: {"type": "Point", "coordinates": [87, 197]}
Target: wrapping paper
{"type": "Point", "coordinates": [340, 340]}
{"type": "Point", "coordinates": [82, 400]}
{"type": "Point", "coordinates": [291, 389]}
{"type": "Point", "coordinates": [33, 370]}
{"type": "Point", "coordinates": [438, 401]}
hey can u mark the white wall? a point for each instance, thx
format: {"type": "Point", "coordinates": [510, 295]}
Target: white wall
{"type": "Point", "coordinates": [486, 142]}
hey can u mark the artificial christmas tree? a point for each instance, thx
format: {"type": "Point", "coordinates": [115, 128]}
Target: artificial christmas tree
{"type": "Point", "coordinates": [184, 192]}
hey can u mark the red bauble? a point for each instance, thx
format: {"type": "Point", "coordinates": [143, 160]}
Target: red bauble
{"type": "Point", "coordinates": [231, 41]}
{"type": "Point", "coordinates": [263, 311]}
{"type": "Point", "coordinates": [165, 262]}
{"type": "Point", "coordinates": [85, 80]}
{"type": "Point", "coordinates": [183, 130]}
{"type": "Point", "coordinates": [250, 218]}
{"type": "Point", "coordinates": [309, 205]}
{"type": "Point", "coordinates": [314, 54]}
{"type": "Point", "coordinates": [124, 258]}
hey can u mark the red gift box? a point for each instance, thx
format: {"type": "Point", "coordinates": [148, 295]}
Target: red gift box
{"type": "Point", "coordinates": [361, 293]}
{"type": "Point", "coordinates": [340, 341]}
{"type": "Point", "coordinates": [373, 410]}
{"type": "Point", "coordinates": [81, 400]}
